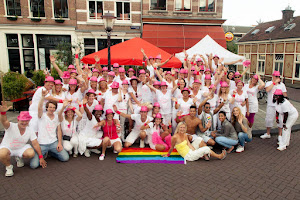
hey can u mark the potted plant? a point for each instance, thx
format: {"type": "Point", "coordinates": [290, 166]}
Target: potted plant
{"type": "Point", "coordinates": [60, 20]}
{"type": "Point", "coordinates": [14, 18]}
{"type": "Point", "coordinates": [38, 77]}
{"type": "Point", "coordinates": [13, 85]}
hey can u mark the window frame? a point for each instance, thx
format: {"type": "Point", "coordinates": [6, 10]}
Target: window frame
{"type": "Point", "coordinates": [296, 61]}
{"type": "Point", "coordinates": [29, 11]}
{"type": "Point", "coordinates": [53, 13]}
{"type": "Point", "coordinates": [281, 62]}
{"type": "Point", "coordinates": [183, 5]}
{"type": "Point", "coordinates": [100, 20]}
{"type": "Point", "coordinates": [116, 14]}
{"type": "Point", "coordinates": [258, 62]}
{"type": "Point", "coordinates": [6, 13]}
{"type": "Point", "coordinates": [158, 10]}
{"type": "Point", "coordinates": [215, 7]}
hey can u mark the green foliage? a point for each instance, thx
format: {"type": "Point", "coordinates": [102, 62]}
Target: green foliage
{"type": "Point", "coordinates": [38, 77]}
{"type": "Point", "coordinates": [13, 85]}
{"type": "Point", "coordinates": [64, 53]}
{"type": "Point", "coordinates": [232, 46]}
{"type": "Point", "coordinates": [54, 73]}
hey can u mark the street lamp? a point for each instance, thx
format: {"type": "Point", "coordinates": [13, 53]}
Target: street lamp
{"type": "Point", "coordinates": [109, 20]}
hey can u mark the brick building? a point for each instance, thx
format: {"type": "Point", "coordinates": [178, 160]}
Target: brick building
{"type": "Point", "coordinates": [274, 46]}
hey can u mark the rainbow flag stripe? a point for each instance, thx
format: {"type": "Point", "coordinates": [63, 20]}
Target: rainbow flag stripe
{"type": "Point", "coordinates": [147, 155]}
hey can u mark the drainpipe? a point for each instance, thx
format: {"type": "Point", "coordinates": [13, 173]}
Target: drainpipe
{"type": "Point", "coordinates": [141, 19]}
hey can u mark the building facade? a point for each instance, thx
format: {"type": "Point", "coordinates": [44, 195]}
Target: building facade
{"type": "Point", "coordinates": [273, 46]}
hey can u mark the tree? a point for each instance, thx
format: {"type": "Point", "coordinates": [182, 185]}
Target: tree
{"type": "Point", "coordinates": [232, 47]}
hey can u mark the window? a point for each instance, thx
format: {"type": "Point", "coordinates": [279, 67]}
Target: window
{"type": "Point", "coordinates": [28, 54]}
{"type": "Point", "coordinates": [60, 8]}
{"type": "Point", "coordinates": [13, 52]}
{"type": "Point", "coordinates": [261, 63]}
{"type": "Point", "coordinates": [95, 9]}
{"type": "Point", "coordinates": [102, 43]}
{"type": "Point", "coordinates": [13, 7]}
{"type": "Point", "coordinates": [37, 8]}
{"type": "Point", "coordinates": [158, 5]}
{"type": "Point", "coordinates": [89, 46]}
{"type": "Point", "coordinates": [123, 10]}
{"type": "Point", "coordinates": [279, 63]}
{"type": "Point", "coordinates": [297, 69]}
{"type": "Point", "coordinates": [270, 29]}
{"type": "Point", "coordinates": [182, 5]}
{"type": "Point", "coordinates": [207, 6]}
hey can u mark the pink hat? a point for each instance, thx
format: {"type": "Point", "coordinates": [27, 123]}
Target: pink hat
{"type": "Point", "coordinates": [255, 77]}
{"type": "Point", "coordinates": [163, 83]}
{"type": "Point", "coordinates": [125, 82]}
{"type": "Point", "coordinates": [57, 82]}
{"type": "Point", "coordinates": [211, 86]}
{"type": "Point", "coordinates": [201, 68]}
{"type": "Point", "coordinates": [168, 72]}
{"type": "Point", "coordinates": [246, 63]}
{"type": "Point", "coordinates": [276, 73]}
{"type": "Point", "coordinates": [131, 70]}
{"type": "Point", "coordinates": [224, 84]}
{"type": "Point", "coordinates": [237, 74]}
{"type": "Point", "coordinates": [95, 70]}
{"type": "Point", "coordinates": [49, 79]}
{"type": "Point", "coordinates": [68, 110]}
{"type": "Point", "coordinates": [91, 91]}
{"type": "Point", "coordinates": [73, 82]}
{"type": "Point", "coordinates": [111, 73]}
{"type": "Point", "coordinates": [93, 78]}
{"type": "Point", "coordinates": [239, 81]}
{"type": "Point", "coordinates": [24, 116]}
{"type": "Point", "coordinates": [185, 89]}
{"type": "Point", "coordinates": [98, 107]}
{"type": "Point", "coordinates": [216, 56]}
{"type": "Point", "coordinates": [199, 60]}
{"type": "Point", "coordinates": [278, 92]}
{"type": "Point", "coordinates": [182, 71]}
{"type": "Point", "coordinates": [207, 77]}
{"type": "Point", "coordinates": [193, 68]}
{"type": "Point", "coordinates": [150, 57]}
{"type": "Point", "coordinates": [186, 71]}
{"type": "Point", "coordinates": [66, 74]}
{"type": "Point", "coordinates": [156, 104]}
{"type": "Point", "coordinates": [207, 70]}
{"type": "Point", "coordinates": [102, 79]}
{"type": "Point", "coordinates": [121, 69]}
{"type": "Point", "coordinates": [158, 115]}
{"type": "Point", "coordinates": [176, 70]}
{"type": "Point", "coordinates": [158, 56]}
{"type": "Point", "coordinates": [116, 65]}
{"type": "Point", "coordinates": [144, 109]}
{"type": "Point", "coordinates": [115, 85]}
{"type": "Point", "coordinates": [71, 67]}
{"type": "Point", "coordinates": [156, 83]}
{"type": "Point", "coordinates": [109, 111]}
{"type": "Point", "coordinates": [142, 71]}
{"type": "Point", "coordinates": [73, 71]}
{"type": "Point", "coordinates": [104, 69]}
{"type": "Point", "coordinates": [195, 72]}
{"type": "Point", "coordinates": [197, 81]}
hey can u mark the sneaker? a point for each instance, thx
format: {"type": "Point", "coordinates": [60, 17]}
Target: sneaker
{"type": "Point", "coordinates": [20, 162]}
{"type": "Point", "coordinates": [142, 144]}
{"type": "Point", "coordinates": [75, 155]}
{"type": "Point", "coordinates": [281, 148]}
{"type": "Point", "coordinates": [96, 151]}
{"type": "Point", "coordinates": [9, 171]}
{"type": "Point", "coordinates": [279, 140]}
{"type": "Point", "coordinates": [115, 151]}
{"type": "Point", "coordinates": [87, 153]}
{"type": "Point", "coordinates": [265, 136]}
{"type": "Point", "coordinates": [240, 149]}
{"type": "Point", "coordinates": [102, 157]}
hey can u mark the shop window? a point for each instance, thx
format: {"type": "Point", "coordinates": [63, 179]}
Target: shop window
{"type": "Point", "coordinates": [123, 10]}
{"type": "Point", "coordinates": [158, 5]}
{"type": "Point", "coordinates": [13, 7]}
{"type": "Point", "coordinates": [37, 8]}
{"type": "Point", "coordinates": [95, 9]}
{"type": "Point", "coordinates": [207, 6]}
{"type": "Point", "coordinates": [60, 8]}
{"type": "Point", "coordinates": [182, 5]}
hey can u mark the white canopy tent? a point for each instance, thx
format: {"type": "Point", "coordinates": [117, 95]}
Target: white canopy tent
{"type": "Point", "coordinates": [207, 46]}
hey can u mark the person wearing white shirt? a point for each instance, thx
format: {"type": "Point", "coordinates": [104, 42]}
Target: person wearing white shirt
{"type": "Point", "coordinates": [110, 98]}
{"type": "Point", "coordinates": [271, 86]}
{"type": "Point", "coordinates": [49, 140]}
{"type": "Point", "coordinates": [241, 99]}
{"type": "Point", "coordinates": [14, 142]}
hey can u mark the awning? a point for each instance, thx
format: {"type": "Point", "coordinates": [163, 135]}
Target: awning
{"type": "Point", "coordinates": [175, 38]}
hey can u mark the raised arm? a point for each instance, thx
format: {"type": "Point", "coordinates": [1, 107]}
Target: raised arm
{"type": "Point", "coordinates": [233, 62]}
{"type": "Point", "coordinates": [143, 52]}
{"type": "Point", "coordinates": [261, 83]}
{"type": "Point", "coordinates": [245, 71]}
{"type": "Point", "coordinates": [3, 110]}
{"type": "Point", "coordinates": [41, 103]}
{"type": "Point", "coordinates": [60, 113]}
{"type": "Point", "coordinates": [151, 87]}
{"type": "Point", "coordinates": [77, 63]}
{"type": "Point", "coordinates": [52, 60]}
{"type": "Point", "coordinates": [120, 113]}
{"type": "Point", "coordinates": [161, 64]}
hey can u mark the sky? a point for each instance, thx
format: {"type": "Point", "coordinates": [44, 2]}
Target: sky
{"type": "Point", "coordinates": [248, 12]}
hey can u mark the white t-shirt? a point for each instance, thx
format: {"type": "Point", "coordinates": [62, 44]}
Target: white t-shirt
{"type": "Point", "coordinates": [225, 107]}
{"type": "Point", "coordinates": [271, 92]}
{"type": "Point", "coordinates": [146, 94]}
{"type": "Point", "coordinates": [138, 122]}
{"type": "Point", "coordinates": [285, 107]}
{"type": "Point", "coordinates": [136, 93]}
{"type": "Point", "coordinates": [90, 108]}
{"type": "Point", "coordinates": [199, 97]}
{"type": "Point", "coordinates": [69, 129]}
{"type": "Point", "coordinates": [151, 70]}
{"type": "Point", "coordinates": [123, 105]}
{"type": "Point", "coordinates": [89, 130]}
{"type": "Point", "coordinates": [185, 106]}
{"type": "Point", "coordinates": [170, 85]}
{"type": "Point", "coordinates": [36, 99]}
{"type": "Point", "coordinates": [47, 129]}
{"type": "Point", "coordinates": [165, 101]}
{"type": "Point", "coordinates": [14, 140]}
{"type": "Point", "coordinates": [75, 96]}
{"type": "Point", "coordinates": [213, 103]}
{"type": "Point", "coordinates": [232, 85]}
{"type": "Point", "coordinates": [110, 100]}
{"type": "Point", "coordinates": [252, 98]}
{"type": "Point", "coordinates": [239, 99]}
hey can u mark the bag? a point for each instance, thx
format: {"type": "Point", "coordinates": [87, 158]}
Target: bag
{"type": "Point", "coordinates": [65, 137]}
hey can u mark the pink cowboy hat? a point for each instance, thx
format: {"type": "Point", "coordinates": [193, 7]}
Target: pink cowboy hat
{"type": "Point", "coordinates": [144, 109]}
{"type": "Point", "coordinates": [158, 115]}
{"type": "Point", "coordinates": [156, 104]}
{"type": "Point", "coordinates": [276, 73]}
{"type": "Point", "coordinates": [93, 78]}
{"type": "Point", "coordinates": [49, 79]}
{"type": "Point", "coordinates": [73, 82]}
{"type": "Point", "coordinates": [66, 75]}
{"type": "Point", "coordinates": [57, 82]}
{"type": "Point", "coordinates": [121, 69]}
{"type": "Point", "coordinates": [71, 67]}
{"type": "Point", "coordinates": [278, 92]}
{"type": "Point", "coordinates": [91, 91]}
{"type": "Point", "coordinates": [125, 82]}
{"type": "Point", "coordinates": [115, 85]}
{"type": "Point", "coordinates": [111, 73]}
{"type": "Point", "coordinates": [24, 116]}
{"type": "Point", "coordinates": [109, 111]}
{"type": "Point", "coordinates": [104, 69]}
{"type": "Point", "coordinates": [116, 65]}
{"type": "Point", "coordinates": [156, 83]}
{"type": "Point", "coordinates": [98, 107]}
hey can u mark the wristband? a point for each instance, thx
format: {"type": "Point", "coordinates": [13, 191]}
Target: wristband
{"type": "Point", "coordinates": [84, 105]}
{"type": "Point", "coordinates": [179, 117]}
{"type": "Point", "coordinates": [118, 112]}
{"type": "Point", "coordinates": [98, 62]}
{"type": "Point", "coordinates": [145, 124]}
{"type": "Point", "coordinates": [168, 155]}
{"type": "Point", "coordinates": [234, 96]}
{"type": "Point", "coordinates": [274, 83]}
{"type": "Point", "coordinates": [73, 108]}
{"type": "Point", "coordinates": [225, 73]}
{"type": "Point", "coordinates": [173, 74]}
{"type": "Point", "coordinates": [60, 101]}
{"type": "Point", "coordinates": [176, 102]}
{"type": "Point", "coordinates": [155, 68]}
{"type": "Point", "coordinates": [3, 113]}
{"type": "Point", "coordinates": [40, 156]}
{"type": "Point", "coordinates": [192, 63]}
{"type": "Point", "coordinates": [99, 93]}
{"type": "Point", "coordinates": [198, 73]}
{"type": "Point", "coordinates": [80, 105]}
{"type": "Point", "coordinates": [88, 78]}
{"type": "Point", "coordinates": [277, 118]}
{"type": "Point", "coordinates": [185, 59]}
{"type": "Point", "coordinates": [170, 126]}
{"type": "Point", "coordinates": [76, 56]}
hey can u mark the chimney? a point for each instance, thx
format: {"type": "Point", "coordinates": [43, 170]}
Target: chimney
{"type": "Point", "coordinates": [287, 15]}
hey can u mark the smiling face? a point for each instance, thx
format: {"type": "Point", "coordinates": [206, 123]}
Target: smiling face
{"type": "Point", "coordinates": [98, 114]}
{"type": "Point", "coordinates": [222, 117]}
{"type": "Point", "coordinates": [91, 98]}
{"type": "Point", "coordinates": [185, 94]}
{"type": "Point", "coordinates": [239, 86]}
{"type": "Point", "coordinates": [193, 112]}
{"type": "Point", "coordinates": [72, 87]}
{"type": "Point", "coordinates": [182, 128]}
{"type": "Point", "coordinates": [110, 116]}
{"type": "Point", "coordinates": [58, 88]}
{"type": "Point", "coordinates": [230, 75]}
{"type": "Point", "coordinates": [164, 88]}
{"type": "Point", "coordinates": [49, 85]}
{"type": "Point", "coordinates": [70, 114]}
{"type": "Point", "coordinates": [23, 124]}
{"type": "Point", "coordinates": [156, 110]}
{"type": "Point", "coordinates": [110, 78]}
{"type": "Point", "coordinates": [134, 83]}
{"type": "Point", "coordinates": [125, 86]}
{"type": "Point", "coordinates": [143, 114]}
{"type": "Point", "coordinates": [96, 74]}
{"type": "Point", "coordinates": [236, 112]}
{"type": "Point", "coordinates": [51, 108]}
{"type": "Point", "coordinates": [93, 84]}
{"type": "Point", "coordinates": [157, 121]}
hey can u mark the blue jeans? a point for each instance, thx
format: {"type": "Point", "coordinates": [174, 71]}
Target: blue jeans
{"type": "Point", "coordinates": [226, 142]}
{"type": "Point", "coordinates": [243, 137]}
{"type": "Point", "coordinates": [51, 148]}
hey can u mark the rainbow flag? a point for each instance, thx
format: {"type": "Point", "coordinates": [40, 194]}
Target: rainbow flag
{"type": "Point", "coordinates": [147, 155]}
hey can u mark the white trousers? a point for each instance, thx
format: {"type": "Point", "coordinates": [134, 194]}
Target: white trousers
{"type": "Point", "coordinates": [286, 133]}
{"type": "Point", "coordinates": [270, 117]}
{"type": "Point", "coordinates": [73, 143]}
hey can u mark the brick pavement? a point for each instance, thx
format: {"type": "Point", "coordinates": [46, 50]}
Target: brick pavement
{"type": "Point", "coordinates": [261, 172]}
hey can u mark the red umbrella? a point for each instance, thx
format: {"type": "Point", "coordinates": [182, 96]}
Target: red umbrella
{"type": "Point", "coordinates": [129, 53]}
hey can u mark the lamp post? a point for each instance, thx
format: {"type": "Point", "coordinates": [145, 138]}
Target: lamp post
{"type": "Point", "coordinates": [109, 20]}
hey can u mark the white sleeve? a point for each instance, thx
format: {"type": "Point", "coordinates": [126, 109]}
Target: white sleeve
{"type": "Point", "coordinates": [134, 116]}
{"type": "Point", "coordinates": [32, 135]}
{"type": "Point", "coordinates": [283, 87]}
{"type": "Point", "coordinates": [268, 84]}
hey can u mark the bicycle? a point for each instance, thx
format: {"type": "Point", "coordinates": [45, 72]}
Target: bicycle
{"type": "Point", "coordinates": [262, 96]}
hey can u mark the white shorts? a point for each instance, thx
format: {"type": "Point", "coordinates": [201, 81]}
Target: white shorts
{"type": "Point", "coordinates": [93, 142]}
{"type": "Point", "coordinates": [134, 134]}
{"type": "Point", "coordinates": [17, 152]}
{"type": "Point", "coordinates": [194, 136]}
{"type": "Point", "coordinates": [114, 141]}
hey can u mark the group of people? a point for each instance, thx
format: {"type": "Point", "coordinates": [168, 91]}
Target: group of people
{"type": "Point", "coordinates": [191, 109]}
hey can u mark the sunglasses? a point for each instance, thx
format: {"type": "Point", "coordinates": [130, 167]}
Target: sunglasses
{"type": "Point", "coordinates": [136, 95]}
{"type": "Point", "coordinates": [201, 70]}
{"type": "Point", "coordinates": [207, 107]}
{"type": "Point", "coordinates": [124, 97]}
{"type": "Point", "coordinates": [277, 76]}
{"type": "Point", "coordinates": [237, 77]}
